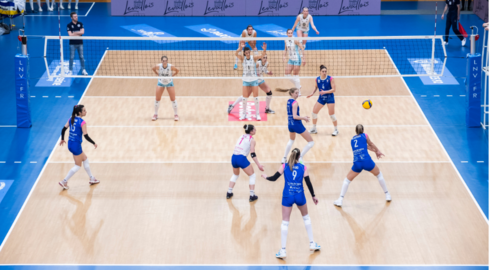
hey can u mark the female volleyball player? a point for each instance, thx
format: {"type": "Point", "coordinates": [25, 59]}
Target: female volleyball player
{"type": "Point", "coordinates": [244, 145]}
{"type": "Point", "coordinates": [362, 161]}
{"type": "Point", "coordinates": [250, 33]}
{"type": "Point", "coordinates": [302, 22]}
{"type": "Point", "coordinates": [250, 79]}
{"type": "Point", "coordinates": [293, 193]}
{"type": "Point", "coordinates": [165, 71]}
{"type": "Point", "coordinates": [77, 127]}
{"type": "Point", "coordinates": [296, 126]}
{"type": "Point", "coordinates": [292, 50]}
{"type": "Point", "coordinates": [326, 87]}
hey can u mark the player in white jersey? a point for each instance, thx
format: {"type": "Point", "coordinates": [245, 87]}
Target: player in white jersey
{"type": "Point", "coordinates": [295, 54]}
{"type": "Point", "coordinates": [302, 24]}
{"type": "Point", "coordinates": [252, 34]}
{"type": "Point", "coordinates": [165, 71]}
{"type": "Point", "coordinates": [243, 147]}
{"type": "Point", "coordinates": [250, 79]}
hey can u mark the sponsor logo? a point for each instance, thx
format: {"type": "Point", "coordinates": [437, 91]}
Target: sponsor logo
{"type": "Point", "coordinates": [138, 5]}
{"type": "Point", "coordinates": [215, 32]}
{"type": "Point", "coordinates": [352, 5]}
{"type": "Point", "coordinates": [219, 6]}
{"type": "Point", "coordinates": [272, 6]}
{"type": "Point", "coordinates": [180, 6]}
{"type": "Point", "coordinates": [313, 6]}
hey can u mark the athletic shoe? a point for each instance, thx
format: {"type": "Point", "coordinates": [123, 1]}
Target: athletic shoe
{"type": "Point", "coordinates": [335, 133]}
{"type": "Point", "coordinates": [242, 117]}
{"type": "Point", "coordinates": [314, 246]}
{"type": "Point", "coordinates": [253, 198]}
{"type": "Point", "coordinates": [463, 42]}
{"type": "Point", "coordinates": [338, 202]}
{"type": "Point", "coordinates": [176, 118]}
{"type": "Point", "coordinates": [445, 43]}
{"type": "Point", "coordinates": [230, 108]}
{"type": "Point", "coordinates": [69, 73]}
{"type": "Point", "coordinates": [155, 117]}
{"type": "Point", "coordinates": [64, 185]}
{"type": "Point", "coordinates": [40, 9]}
{"type": "Point", "coordinates": [93, 181]}
{"type": "Point", "coordinates": [301, 160]}
{"type": "Point", "coordinates": [388, 197]}
{"type": "Point", "coordinates": [235, 67]}
{"type": "Point", "coordinates": [84, 72]}
{"type": "Point", "coordinates": [258, 118]}
{"type": "Point", "coordinates": [69, 6]}
{"type": "Point", "coordinates": [284, 160]}
{"type": "Point", "coordinates": [313, 131]}
{"type": "Point", "coordinates": [50, 9]}
{"type": "Point", "coordinates": [229, 195]}
{"type": "Point", "coordinates": [61, 6]}
{"type": "Point", "coordinates": [269, 111]}
{"type": "Point", "coordinates": [76, 6]}
{"type": "Point", "coordinates": [281, 254]}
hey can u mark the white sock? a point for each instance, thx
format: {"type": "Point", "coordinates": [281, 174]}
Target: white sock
{"type": "Point", "coordinates": [297, 83]}
{"type": "Point", "coordinates": [257, 106]}
{"type": "Point", "coordinates": [230, 190]}
{"type": "Point", "coordinates": [244, 102]}
{"type": "Point", "coordinates": [335, 127]}
{"type": "Point", "coordinates": [309, 230]}
{"type": "Point", "coordinates": [288, 148]}
{"type": "Point", "coordinates": [236, 60]}
{"type": "Point", "coordinates": [284, 233]}
{"type": "Point", "coordinates": [157, 106]}
{"type": "Point", "coordinates": [72, 172]}
{"type": "Point", "coordinates": [307, 148]}
{"type": "Point", "coordinates": [345, 186]}
{"type": "Point", "coordinates": [268, 100]}
{"type": "Point", "coordinates": [252, 192]}
{"type": "Point", "coordinates": [291, 79]}
{"type": "Point", "coordinates": [314, 126]}
{"type": "Point", "coordinates": [86, 165]}
{"type": "Point", "coordinates": [237, 101]}
{"type": "Point", "coordinates": [382, 182]}
{"type": "Point", "coordinates": [174, 105]}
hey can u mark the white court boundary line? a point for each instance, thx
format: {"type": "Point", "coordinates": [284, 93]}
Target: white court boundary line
{"type": "Point", "coordinates": [266, 265]}
{"type": "Point", "coordinates": [86, 14]}
{"type": "Point", "coordinates": [440, 143]}
{"type": "Point", "coordinates": [259, 126]}
{"type": "Point", "coordinates": [367, 96]}
{"type": "Point", "coordinates": [8, 126]}
{"type": "Point", "coordinates": [228, 162]}
{"type": "Point", "coordinates": [42, 171]}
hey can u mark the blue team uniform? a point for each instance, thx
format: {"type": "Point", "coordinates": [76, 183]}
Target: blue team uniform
{"type": "Point", "coordinates": [75, 140]}
{"type": "Point", "coordinates": [293, 185]}
{"type": "Point", "coordinates": [293, 124]}
{"type": "Point", "coordinates": [325, 85]}
{"type": "Point", "coordinates": [362, 159]}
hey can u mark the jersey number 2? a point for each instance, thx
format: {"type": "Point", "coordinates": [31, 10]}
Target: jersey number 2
{"type": "Point", "coordinates": [355, 143]}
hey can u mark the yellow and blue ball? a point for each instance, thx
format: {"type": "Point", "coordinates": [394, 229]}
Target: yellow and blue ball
{"type": "Point", "coordinates": [367, 104]}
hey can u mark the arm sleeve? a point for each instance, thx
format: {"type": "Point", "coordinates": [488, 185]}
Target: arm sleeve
{"type": "Point", "coordinates": [63, 133]}
{"type": "Point", "coordinates": [88, 139]}
{"type": "Point", "coordinates": [274, 177]}
{"type": "Point", "coordinates": [310, 186]}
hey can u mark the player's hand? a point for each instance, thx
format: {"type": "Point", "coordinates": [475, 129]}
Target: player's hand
{"type": "Point", "coordinates": [315, 200]}
{"type": "Point", "coordinates": [442, 17]}
{"type": "Point", "coordinates": [62, 142]}
{"type": "Point", "coordinates": [264, 46]}
{"type": "Point", "coordinates": [309, 96]}
{"type": "Point", "coordinates": [242, 45]}
{"type": "Point", "coordinates": [264, 176]}
{"type": "Point", "coordinates": [307, 119]}
{"type": "Point", "coordinates": [270, 73]}
{"type": "Point", "coordinates": [261, 167]}
{"type": "Point", "coordinates": [304, 63]}
{"type": "Point", "coordinates": [317, 32]}
{"type": "Point", "coordinates": [95, 146]}
{"type": "Point", "coordinates": [379, 154]}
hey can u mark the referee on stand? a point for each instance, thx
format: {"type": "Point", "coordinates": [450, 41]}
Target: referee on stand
{"type": "Point", "coordinates": [75, 28]}
{"type": "Point", "coordinates": [453, 7]}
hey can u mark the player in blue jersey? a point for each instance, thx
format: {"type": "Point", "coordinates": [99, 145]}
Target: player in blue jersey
{"type": "Point", "coordinates": [293, 193]}
{"type": "Point", "coordinates": [78, 127]}
{"type": "Point", "coordinates": [326, 87]}
{"type": "Point", "coordinates": [296, 126]}
{"type": "Point", "coordinates": [362, 161]}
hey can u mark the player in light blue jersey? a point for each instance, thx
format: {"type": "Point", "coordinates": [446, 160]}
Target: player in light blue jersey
{"type": "Point", "coordinates": [294, 193]}
{"type": "Point", "coordinates": [302, 24]}
{"type": "Point", "coordinates": [326, 87]}
{"type": "Point", "coordinates": [295, 55]}
{"type": "Point", "coordinates": [78, 127]}
{"type": "Point", "coordinates": [362, 161]}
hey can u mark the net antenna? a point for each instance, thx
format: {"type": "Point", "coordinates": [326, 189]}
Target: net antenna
{"type": "Point", "coordinates": [214, 58]}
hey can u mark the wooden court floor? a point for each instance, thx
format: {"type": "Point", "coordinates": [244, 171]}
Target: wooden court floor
{"type": "Point", "coordinates": [161, 199]}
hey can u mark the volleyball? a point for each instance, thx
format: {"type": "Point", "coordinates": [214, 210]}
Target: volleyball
{"type": "Point", "coordinates": [367, 104]}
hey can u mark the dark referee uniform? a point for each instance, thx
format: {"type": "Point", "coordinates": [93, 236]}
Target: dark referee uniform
{"type": "Point", "coordinates": [452, 19]}
{"type": "Point", "coordinates": [76, 45]}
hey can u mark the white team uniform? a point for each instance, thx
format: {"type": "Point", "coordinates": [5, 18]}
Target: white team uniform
{"type": "Point", "coordinates": [293, 50]}
{"type": "Point", "coordinates": [261, 70]}
{"type": "Point", "coordinates": [248, 40]}
{"type": "Point", "coordinates": [242, 146]}
{"type": "Point", "coordinates": [304, 24]}
{"type": "Point", "coordinates": [165, 75]}
{"type": "Point", "coordinates": [249, 69]}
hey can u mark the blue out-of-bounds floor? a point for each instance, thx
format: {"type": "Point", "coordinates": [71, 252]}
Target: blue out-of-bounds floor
{"type": "Point", "coordinates": [24, 152]}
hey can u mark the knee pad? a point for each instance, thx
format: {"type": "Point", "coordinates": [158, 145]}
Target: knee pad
{"type": "Point", "coordinates": [174, 103]}
{"type": "Point", "coordinates": [314, 116]}
{"type": "Point", "coordinates": [333, 117]}
{"type": "Point", "coordinates": [310, 144]}
{"type": "Point", "coordinates": [307, 219]}
{"type": "Point", "coordinates": [234, 178]}
{"type": "Point", "coordinates": [284, 225]}
{"type": "Point", "coordinates": [252, 180]}
{"type": "Point", "coordinates": [270, 93]}
{"type": "Point", "coordinates": [256, 99]}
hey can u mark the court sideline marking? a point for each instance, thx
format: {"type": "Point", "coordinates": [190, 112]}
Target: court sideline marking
{"type": "Point", "coordinates": [440, 143]}
{"type": "Point", "coordinates": [42, 171]}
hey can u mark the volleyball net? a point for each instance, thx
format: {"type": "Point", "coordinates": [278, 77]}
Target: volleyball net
{"type": "Point", "coordinates": [214, 58]}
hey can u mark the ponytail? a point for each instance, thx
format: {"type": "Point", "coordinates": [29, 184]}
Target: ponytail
{"type": "Point", "coordinates": [292, 90]}
{"type": "Point", "coordinates": [322, 67]}
{"type": "Point", "coordinates": [77, 109]}
{"type": "Point", "coordinates": [359, 129]}
{"type": "Point", "coordinates": [293, 158]}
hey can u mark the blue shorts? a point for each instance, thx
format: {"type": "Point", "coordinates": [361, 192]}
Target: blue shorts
{"type": "Point", "coordinates": [360, 165]}
{"type": "Point", "coordinates": [294, 63]}
{"type": "Point", "coordinates": [326, 99]}
{"type": "Point", "coordinates": [297, 127]}
{"type": "Point", "coordinates": [75, 148]}
{"type": "Point", "coordinates": [254, 83]}
{"type": "Point", "coordinates": [298, 199]}
{"type": "Point", "coordinates": [239, 161]}
{"type": "Point", "coordinates": [171, 84]}
{"type": "Point", "coordinates": [261, 82]}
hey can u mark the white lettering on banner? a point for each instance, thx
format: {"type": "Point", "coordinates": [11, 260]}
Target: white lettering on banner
{"type": "Point", "coordinates": [426, 65]}
{"type": "Point", "coordinates": [21, 75]}
{"type": "Point", "coordinates": [277, 32]}
{"type": "Point", "coordinates": [215, 32]}
{"type": "Point", "coordinates": [475, 68]}
{"type": "Point", "coordinates": [21, 69]}
{"type": "Point", "coordinates": [149, 33]}
{"type": "Point", "coordinates": [21, 95]}
{"type": "Point", "coordinates": [474, 88]}
{"type": "Point", "coordinates": [250, 111]}
{"type": "Point", "coordinates": [58, 81]}
{"type": "Point", "coordinates": [475, 95]}
{"type": "Point", "coordinates": [2, 185]}
{"type": "Point", "coordinates": [20, 63]}
{"type": "Point", "coordinates": [21, 88]}
{"type": "Point", "coordinates": [474, 62]}
{"type": "Point", "coordinates": [474, 75]}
